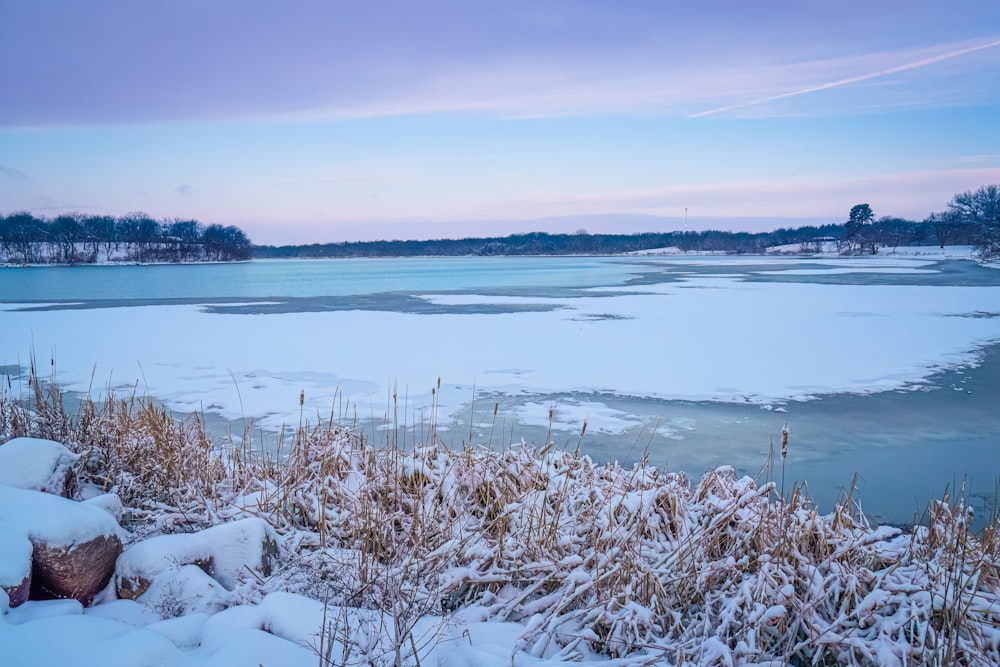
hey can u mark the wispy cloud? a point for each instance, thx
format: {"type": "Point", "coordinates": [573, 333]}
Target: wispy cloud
{"type": "Point", "coordinates": [981, 159]}
{"type": "Point", "coordinates": [922, 62]}
{"type": "Point", "coordinates": [15, 175]}
{"type": "Point", "coordinates": [184, 190]}
{"type": "Point", "coordinates": [333, 180]}
{"type": "Point", "coordinates": [512, 59]}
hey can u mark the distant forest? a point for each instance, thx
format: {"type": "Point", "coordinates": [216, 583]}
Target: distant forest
{"type": "Point", "coordinates": [972, 218]}
{"type": "Point", "coordinates": [136, 237]}
{"type": "Point", "coordinates": [889, 232]}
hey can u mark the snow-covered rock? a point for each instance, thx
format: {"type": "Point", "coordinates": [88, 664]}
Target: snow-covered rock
{"type": "Point", "coordinates": [185, 591]}
{"type": "Point", "coordinates": [109, 502]}
{"type": "Point", "coordinates": [67, 548]}
{"type": "Point", "coordinates": [224, 552]}
{"type": "Point", "coordinates": [15, 567]}
{"type": "Point", "coordinates": [39, 465]}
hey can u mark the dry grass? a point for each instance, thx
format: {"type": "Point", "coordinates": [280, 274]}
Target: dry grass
{"type": "Point", "coordinates": [590, 557]}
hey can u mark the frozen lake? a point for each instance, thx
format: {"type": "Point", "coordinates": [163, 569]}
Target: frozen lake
{"type": "Point", "coordinates": [885, 366]}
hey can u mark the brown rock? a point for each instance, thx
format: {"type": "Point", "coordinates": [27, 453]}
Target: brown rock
{"type": "Point", "coordinates": [15, 564]}
{"type": "Point", "coordinates": [18, 594]}
{"type": "Point", "coordinates": [130, 588]}
{"type": "Point", "coordinates": [80, 571]}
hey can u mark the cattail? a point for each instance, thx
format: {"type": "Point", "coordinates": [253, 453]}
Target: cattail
{"type": "Point", "coordinates": [583, 431]}
{"type": "Point", "coordinates": [784, 440]}
{"type": "Point", "coordinates": [302, 397]}
{"type": "Point", "coordinates": [496, 406]}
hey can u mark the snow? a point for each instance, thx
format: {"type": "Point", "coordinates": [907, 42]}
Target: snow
{"type": "Point", "coordinates": [56, 521]}
{"type": "Point", "coordinates": [230, 548]}
{"type": "Point", "coordinates": [669, 250]}
{"type": "Point", "coordinates": [33, 463]}
{"type": "Point", "coordinates": [829, 248]}
{"type": "Point", "coordinates": [282, 630]}
{"type": "Point", "coordinates": [643, 341]}
{"type": "Point", "coordinates": [15, 558]}
{"type": "Point", "coordinates": [93, 641]}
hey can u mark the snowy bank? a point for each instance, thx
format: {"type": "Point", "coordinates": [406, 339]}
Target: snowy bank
{"type": "Point", "coordinates": [526, 556]}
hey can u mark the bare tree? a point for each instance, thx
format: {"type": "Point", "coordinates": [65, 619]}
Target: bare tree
{"type": "Point", "coordinates": [981, 208]}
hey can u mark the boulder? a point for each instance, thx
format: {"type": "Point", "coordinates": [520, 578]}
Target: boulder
{"type": "Point", "coordinates": [79, 571]}
{"type": "Point", "coordinates": [68, 549]}
{"type": "Point", "coordinates": [184, 591]}
{"type": "Point", "coordinates": [39, 465]}
{"type": "Point", "coordinates": [15, 567]}
{"type": "Point", "coordinates": [224, 552]}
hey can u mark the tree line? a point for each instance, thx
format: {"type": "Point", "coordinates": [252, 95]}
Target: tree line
{"type": "Point", "coordinates": [135, 237]}
{"type": "Point", "coordinates": [542, 243]}
{"type": "Point", "coordinates": [971, 218]}
{"type": "Point", "coordinates": [884, 232]}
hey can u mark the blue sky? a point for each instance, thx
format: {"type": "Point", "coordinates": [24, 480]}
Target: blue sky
{"type": "Point", "coordinates": [329, 121]}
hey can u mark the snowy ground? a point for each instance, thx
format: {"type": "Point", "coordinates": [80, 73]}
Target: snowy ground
{"type": "Point", "coordinates": [829, 249]}
{"type": "Point", "coordinates": [524, 558]}
{"type": "Point", "coordinates": [285, 630]}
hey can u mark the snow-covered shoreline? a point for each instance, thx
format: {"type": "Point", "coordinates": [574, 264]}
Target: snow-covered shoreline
{"type": "Point", "coordinates": [430, 556]}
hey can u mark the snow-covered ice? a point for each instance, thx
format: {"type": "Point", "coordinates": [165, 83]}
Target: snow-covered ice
{"type": "Point", "coordinates": [695, 337]}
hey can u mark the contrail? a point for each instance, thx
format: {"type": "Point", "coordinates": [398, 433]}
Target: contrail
{"type": "Point", "coordinates": [854, 79]}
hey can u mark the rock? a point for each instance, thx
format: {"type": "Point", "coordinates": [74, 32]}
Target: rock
{"type": "Point", "coordinates": [224, 552]}
{"type": "Point", "coordinates": [39, 465]}
{"type": "Point", "coordinates": [68, 548]}
{"type": "Point", "coordinates": [109, 502]}
{"type": "Point", "coordinates": [15, 567]}
{"type": "Point", "coordinates": [186, 590]}
{"type": "Point", "coordinates": [79, 571]}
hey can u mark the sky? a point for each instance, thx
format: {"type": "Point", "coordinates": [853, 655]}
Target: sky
{"type": "Point", "coordinates": [326, 121]}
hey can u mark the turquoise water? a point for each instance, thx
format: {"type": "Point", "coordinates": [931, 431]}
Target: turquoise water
{"type": "Point", "coordinates": [304, 278]}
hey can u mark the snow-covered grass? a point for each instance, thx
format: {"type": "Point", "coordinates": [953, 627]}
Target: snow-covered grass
{"type": "Point", "coordinates": [922, 251]}
{"type": "Point", "coordinates": [408, 554]}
